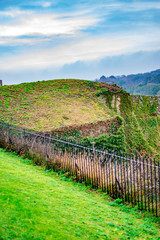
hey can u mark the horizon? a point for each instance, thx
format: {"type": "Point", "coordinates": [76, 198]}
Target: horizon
{"type": "Point", "coordinates": [78, 78]}
{"type": "Point", "coordinates": [42, 40]}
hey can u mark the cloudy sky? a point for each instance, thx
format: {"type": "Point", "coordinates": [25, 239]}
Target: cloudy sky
{"type": "Point", "coordinates": [77, 38]}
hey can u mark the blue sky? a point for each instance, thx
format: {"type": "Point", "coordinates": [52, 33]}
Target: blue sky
{"type": "Point", "coordinates": [77, 39]}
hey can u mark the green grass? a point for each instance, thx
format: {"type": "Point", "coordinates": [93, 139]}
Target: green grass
{"type": "Point", "coordinates": [35, 204]}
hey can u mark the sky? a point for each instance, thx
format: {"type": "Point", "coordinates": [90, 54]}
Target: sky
{"type": "Point", "coordinates": [54, 39]}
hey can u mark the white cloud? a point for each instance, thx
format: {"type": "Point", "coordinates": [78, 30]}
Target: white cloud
{"type": "Point", "coordinates": [107, 8]}
{"type": "Point", "coordinates": [15, 13]}
{"type": "Point", "coordinates": [85, 50]}
{"type": "Point", "coordinates": [47, 25]}
{"type": "Point", "coordinates": [46, 4]}
{"type": "Point", "coordinates": [18, 41]}
{"type": "Point", "coordinates": [141, 6]}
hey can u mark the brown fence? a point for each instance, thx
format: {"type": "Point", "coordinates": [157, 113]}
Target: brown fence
{"type": "Point", "coordinates": [132, 179]}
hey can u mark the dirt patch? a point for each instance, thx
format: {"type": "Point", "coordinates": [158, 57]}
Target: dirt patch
{"type": "Point", "coordinates": [91, 129]}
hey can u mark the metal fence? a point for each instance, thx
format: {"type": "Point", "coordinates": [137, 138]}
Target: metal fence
{"type": "Point", "coordinates": [132, 179]}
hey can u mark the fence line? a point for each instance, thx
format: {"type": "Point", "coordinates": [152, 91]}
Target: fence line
{"type": "Point", "coordinates": [121, 175]}
{"type": "Point", "coordinates": [77, 145]}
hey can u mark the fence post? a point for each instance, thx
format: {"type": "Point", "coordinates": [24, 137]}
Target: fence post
{"type": "Point", "coordinates": [115, 173]}
{"type": "Point", "coordinates": [47, 157]}
{"type": "Point", "coordinates": [155, 179]}
{"type": "Point", "coordinates": [24, 135]}
{"type": "Point", "coordinates": [159, 184]}
{"type": "Point", "coordinates": [9, 140]}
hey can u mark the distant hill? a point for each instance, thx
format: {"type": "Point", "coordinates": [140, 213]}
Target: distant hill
{"type": "Point", "coordinates": [142, 84]}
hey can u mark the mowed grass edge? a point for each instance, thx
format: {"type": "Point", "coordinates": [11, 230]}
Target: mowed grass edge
{"type": "Point", "coordinates": [35, 204]}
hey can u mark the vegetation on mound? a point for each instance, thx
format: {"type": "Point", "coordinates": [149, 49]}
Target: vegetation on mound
{"type": "Point", "coordinates": [48, 105]}
{"type": "Point", "coordinates": [141, 123]}
{"type": "Point", "coordinates": [60, 104]}
{"type": "Point", "coordinates": [37, 204]}
{"type": "Point", "coordinates": [142, 127]}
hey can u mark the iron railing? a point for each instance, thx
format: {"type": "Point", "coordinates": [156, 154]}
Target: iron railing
{"type": "Point", "coordinates": [133, 179]}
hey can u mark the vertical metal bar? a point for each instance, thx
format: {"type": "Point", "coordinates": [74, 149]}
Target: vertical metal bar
{"type": "Point", "coordinates": [134, 181]}
{"type": "Point", "coordinates": [89, 169]}
{"type": "Point", "coordinates": [144, 179]}
{"type": "Point", "coordinates": [110, 181]}
{"type": "Point", "coordinates": [148, 186]}
{"type": "Point", "coordinates": [8, 134]}
{"type": "Point", "coordinates": [112, 168]}
{"type": "Point", "coordinates": [155, 182]}
{"type": "Point", "coordinates": [71, 155]}
{"type": "Point", "coordinates": [82, 164]}
{"type": "Point", "coordinates": [92, 167]}
{"type": "Point", "coordinates": [75, 159]}
{"type": "Point", "coordinates": [85, 164]}
{"type": "Point", "coordinates": [124, 173]}
{"type": "Point", "coordinates": [24, 135]}
{"type": "Point", "coordinates": [128, 194]}
{"type": "Point", "coordinates": [159, 183]}
{"type": "Point", "coordinates": [118, 178]}
{"type": "Point", "coordinates": [101, 177]}
{"type": "Point", "coordinates": [90, 164]}
{"type": "Point", "coordinates": [104, 170]}
{"type": "Point", "coordinates": [100, 172]}
{"type": "Point", "coordinates": [115, 170]}
{"type": "Point", "coordinates": [141, 184]}
{"type": "Point", "coordinates": [46, 149]}
{"type": "Point", "coordinates": [130, 164]}
{"type": "Point", "coordinates": [97, 169]}
{"type": "Point", "coordinates": [121, 168]}
{"type": "Point", "coordinates": [137, 168]}
{"type": "Point", "coordinates": [151, 185]}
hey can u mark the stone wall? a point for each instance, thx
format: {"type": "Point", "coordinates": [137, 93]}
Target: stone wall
{"type": "Point", "coordinates": [122, 102]}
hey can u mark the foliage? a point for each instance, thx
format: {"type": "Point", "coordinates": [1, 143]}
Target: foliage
{"type": "Point", "coordinates": [105, 141]}
{"type": "Point", "coordinates": [135, 137]}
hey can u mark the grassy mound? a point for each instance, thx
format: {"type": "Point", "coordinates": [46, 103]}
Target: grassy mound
{"type": "Point", "coordinates": [80, 108]}
{"type": "Point", "coordinates": [42, 205]}
{"type": "Point", "coordinates": [49, 105]}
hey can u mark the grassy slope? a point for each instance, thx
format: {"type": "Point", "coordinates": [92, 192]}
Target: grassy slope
{"type": "Point", "coordinates": [48, 105]}
{"type": "Point", "coordinates": [35, 204]}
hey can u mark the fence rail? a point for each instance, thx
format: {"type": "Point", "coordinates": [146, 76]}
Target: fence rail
{"type": "Point", "coordinates": [133, 179]}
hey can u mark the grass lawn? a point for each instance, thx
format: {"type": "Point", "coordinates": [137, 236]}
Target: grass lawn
{"type": "Point", "coordinates": [35, 204]}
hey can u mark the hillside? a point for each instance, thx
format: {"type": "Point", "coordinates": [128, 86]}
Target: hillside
{"type": "Point", "coordinates": [36, 204]}
{"type": "Point", "coordinates": [48, 105]}
{"type": "Point", "coordinates": [88, 111]}
{"type": "Point", "coordinates": [141, 84]}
